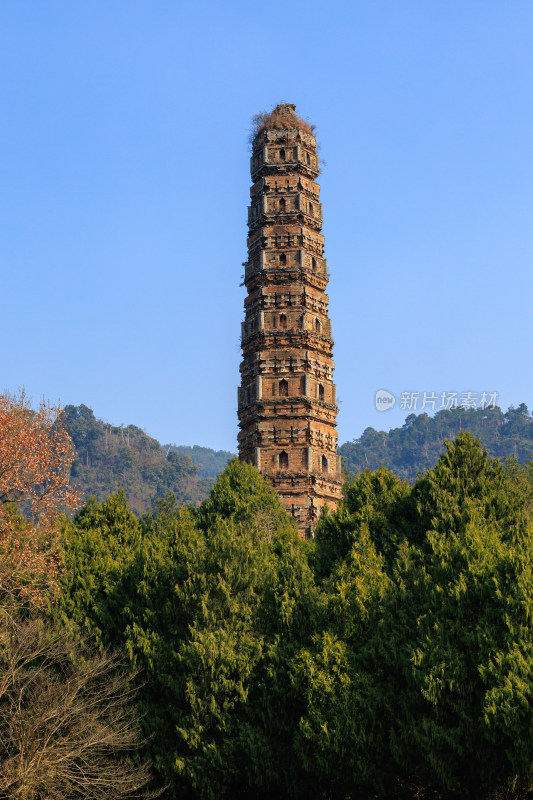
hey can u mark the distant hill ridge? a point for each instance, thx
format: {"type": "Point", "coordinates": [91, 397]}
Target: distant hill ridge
{"type": "Point", "coordinates": [209, 462]}
{"type": "Point", "coordinates": [418, 443]}
{"type": "Point", "coordinates": [110, 457]}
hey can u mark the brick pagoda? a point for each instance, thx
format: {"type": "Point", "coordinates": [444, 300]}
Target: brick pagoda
{"type": "Point", "coordinates": [287, 405]}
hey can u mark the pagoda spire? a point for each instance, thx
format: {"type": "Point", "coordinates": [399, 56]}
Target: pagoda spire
{"type": "Point", "coordinates": [287, 400]}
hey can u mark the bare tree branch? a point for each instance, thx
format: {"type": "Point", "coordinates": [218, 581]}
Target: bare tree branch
{"type": "Point", "coordinates": [66, 723]}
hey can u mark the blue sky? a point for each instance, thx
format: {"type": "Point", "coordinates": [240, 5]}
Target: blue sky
{"type": "Point", "coordinates": [125, 178]}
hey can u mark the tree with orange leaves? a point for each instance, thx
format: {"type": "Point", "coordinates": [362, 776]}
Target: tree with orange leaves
{"type": "Point", "coordinates": [36, 453]}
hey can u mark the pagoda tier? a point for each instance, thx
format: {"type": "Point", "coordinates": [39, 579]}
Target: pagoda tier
{"type": "Point", "coordinates": [287, 401]}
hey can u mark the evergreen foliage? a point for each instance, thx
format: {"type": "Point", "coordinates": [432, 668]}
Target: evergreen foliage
{"type": "Point", "coordinates": [392, 658]}
{"type": "Point", "coordinates": [210, 605]}
{"type": "Point", "coordinates": [445, 666]}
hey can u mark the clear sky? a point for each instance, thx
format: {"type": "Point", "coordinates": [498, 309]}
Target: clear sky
{"type": "Point", "coordinates": [124, 186]}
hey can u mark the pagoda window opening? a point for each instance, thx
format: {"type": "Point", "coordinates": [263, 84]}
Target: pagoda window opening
{"type": "Point", "coordinates": [282, 155]}
{"type": "Point", "coordinates": [324, 465]}
{"type": "Point", "coordinates": [311, 210]}
{"type": "Point", "coordinates": [313, 263]}
{"type": "Point", "coordinates": [320, 392]}
{"type": "Point", "coordinates": [317, 326]}
{"type": "Point", "coordinates": [283, 321]}
{"type": "Point", "coordinates": [282, 204]}
{"type": "Point", "coordinates": [282, 258]}
{"type": "Point", "coordinates": [283, 388]}
{"type": "Point", "coordinates": [308, 158]}
{"type": "Point", "coordinates": [284, 460]}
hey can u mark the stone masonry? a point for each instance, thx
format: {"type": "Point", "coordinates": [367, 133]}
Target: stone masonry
{"type": "Point", "coordinates": [287, 404]}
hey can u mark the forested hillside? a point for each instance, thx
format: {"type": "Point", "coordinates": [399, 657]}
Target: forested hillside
{"type": "Point", "coordinates": [109, 457]}
{"type": "Point", "coordinates": [419, 442]}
